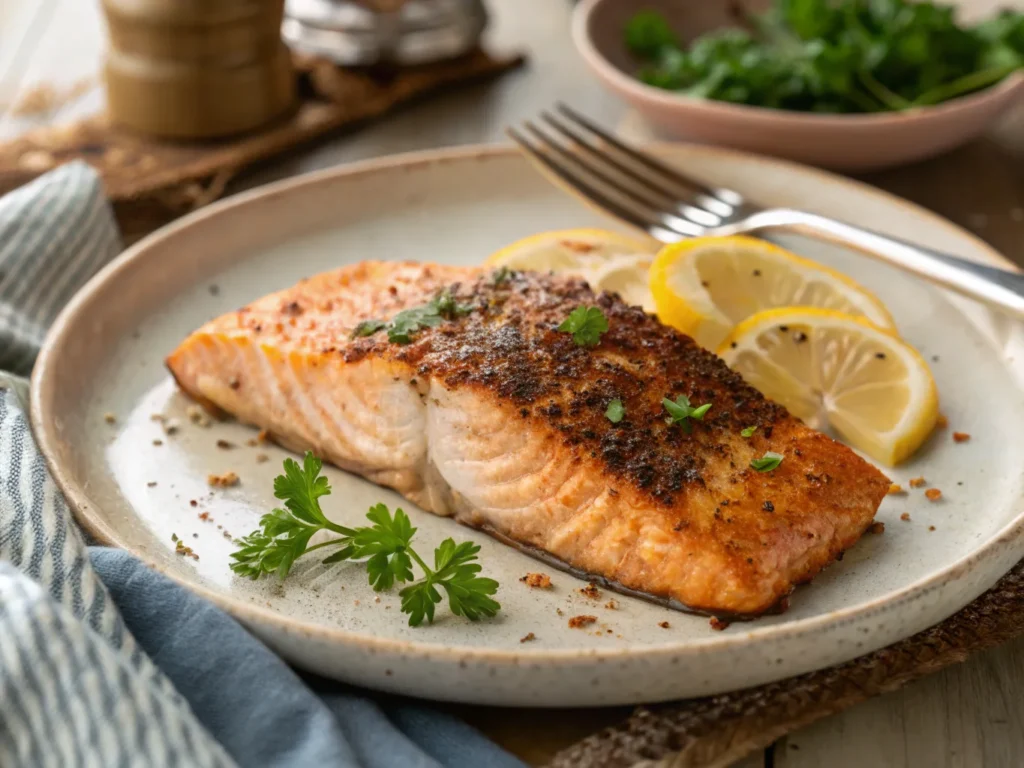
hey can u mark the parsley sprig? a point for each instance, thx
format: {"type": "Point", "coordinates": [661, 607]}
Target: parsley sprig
{"type": "Point", "coordinates": [406, 323]}
{"type": "Point", "coordinates": [385, 547]}
{"type": "Point", "coordinates": [586, 324]}
{"type": "Point", "coordinates": [681, 412]}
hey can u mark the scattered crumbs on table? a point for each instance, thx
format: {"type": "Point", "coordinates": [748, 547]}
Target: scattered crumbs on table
{"type": "Point", "coordinates": [204, 516]}
{"type": "Point", "coordinates": [537, 580]}
{"type": "Point", "coordinates": [158, 442]}
{"type": "Point", "coordinates": [933, 494]}
{"type": "Point", "coordinates": [559, 611]}
{"type": "Point", "coordinates": [935, 358]}
{"type": "Point", "coordinates": [214, 289]}
{"type": "Point", "coordinates": [917, 482]}
{"type": "Point", "coordinates": [262, 458]}
{"type": "Point", "coordinates": [198, 416]}
{"type": "Point", "coordinates": [252, 442]}
{"type": "Point", "coordinates": [263, 436]}
{"type": "Point", "coordinates": [876, 527]}
{"type": "Point", "coordinates": [170, 426]}
{"type": "Point", "coordinates": [225, 445]}
{"type": "Point", "coordinates": [961, 437]}
{"type": "Point", "coordinates": [584, 620]}
{"type": "Point", "coordinates": [941, 422]}
{"type": "Point", "coordinates": [959, 482]}
{"type": "Point", "coordinates": [612, 605]}
{"type": "Point", "coordinates": [609, 630]}
{"type": "Point", "coordinates": [195, 535]}
{"type": "Point", "coordinates": [225, 480]}
{"type": "Point", "coordinates": [894, 488]}
{"type": "Point", "coordinates": [718, 624]}
{"type": "Point", "coordinates": [193, 503]}
{"type": "Point", "coordinates": [905, 517]}
{"type": "Point", "coordinates": [355, 602]}
{"type": "Point", "coordinates": [931, 527]}
{"type": "Point", "coordinates": [109, 418]}
{"type": "Point", "coordinates": [591, 591]}
{"type": "Point", "coordinates": [376, 599]}
{"type": "Point", "coordinates": [227, 535]}
{"type": "Point", "coordinates": [151, 484]}
{"type": "Point", "coordinates": [387, 607]}
{"type": "Point", "coordinates": [664, 624]}
{"type": "Point", "coordinates": [527, 637]}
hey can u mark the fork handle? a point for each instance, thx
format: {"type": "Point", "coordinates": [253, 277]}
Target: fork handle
{"type": "Point", "coordinates": [1000, 289]}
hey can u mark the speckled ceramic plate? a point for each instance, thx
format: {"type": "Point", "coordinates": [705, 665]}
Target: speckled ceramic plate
{"type": "Point", "coordinates": [134, 486]}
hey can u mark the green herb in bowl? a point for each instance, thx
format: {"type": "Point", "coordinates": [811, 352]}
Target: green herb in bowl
{"type": "Point", "coordinates": [833, 56]}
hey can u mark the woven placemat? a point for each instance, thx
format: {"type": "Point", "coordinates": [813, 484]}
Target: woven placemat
{"type": "Point", "coordinates": [715, 731]}
{"type": "Point", "coordinates": [151, 182]}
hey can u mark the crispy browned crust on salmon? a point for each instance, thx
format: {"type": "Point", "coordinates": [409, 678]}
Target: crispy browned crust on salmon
{"type": "Point", "coordinates": [671, 514]}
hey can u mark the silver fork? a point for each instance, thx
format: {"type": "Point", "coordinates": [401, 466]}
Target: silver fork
{"type": "Point", "coordinates": [670, 206]}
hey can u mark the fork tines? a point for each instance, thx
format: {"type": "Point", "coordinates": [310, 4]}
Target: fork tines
{"type": "Point", "coordinates": [625, 182]}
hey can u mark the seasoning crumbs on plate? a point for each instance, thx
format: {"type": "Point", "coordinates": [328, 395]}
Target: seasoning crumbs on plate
{"type": "Point", "coordinates": [664, 624]}
{"type": "Point", "coordinates": [110, 418]}
{"type": "Point", "coordinates": [917, 482]}
{"type": "Point", "coordinates": [591, 591]}
{"type": "Point", "coordinates": [894, 488]}
{"type": "Point", "coordinates": [933, 494]}
{"type": "Point", "coordinates": [942, 422]}
{"type": "Point", "coordinates": [576, 622]}
{"type": "Point", "coordinates": [262, 458]}
{"type": "Point", "coordinates": [905, 517]}
{"type": "Point", "coordinates": [527, 637]}
{"type": "Point", "coordinates": [198, 416]}
{"type": "Point", "coordinates": [181, 549]}
{"type": "Point", "coordinates": [158, 442]}
{"type": "Point", "coordinates": [225, 445]}
{"type": "Point", "coordinates": [612, 605]}
{"type": "Point", "coordinates": [225, 480]}
{"type": "Point", "coordinates": [718, 624]}
{"type": "Point", "coordinates": [876, 527]}
{"type": "Point", "coordinates": [961, 437]}
{"type": "Point", "coordinates": [537, 580]}
{"type": "Point", "coordinates": [931, 527]}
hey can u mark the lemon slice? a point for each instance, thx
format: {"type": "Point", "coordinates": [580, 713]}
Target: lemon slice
{"type": "Point", "coordinates": [836, 370]}
{"type": "Point", "coordinates": [706, 285]}
{"type": "Point", "coordinates": [607, 260]}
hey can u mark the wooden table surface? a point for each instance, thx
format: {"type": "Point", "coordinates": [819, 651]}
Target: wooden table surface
{"type": "Point", "coordinates": [968, 716]}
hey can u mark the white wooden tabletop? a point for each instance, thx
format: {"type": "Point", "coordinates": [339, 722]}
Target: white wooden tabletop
{"type": "Point", "coordinates": [967, 716]}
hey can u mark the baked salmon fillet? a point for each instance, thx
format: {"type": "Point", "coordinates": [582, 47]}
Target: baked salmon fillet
{"type": "Point", "coordinates": [494, 417]}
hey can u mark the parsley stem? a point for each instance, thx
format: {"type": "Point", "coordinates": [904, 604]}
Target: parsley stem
{"type": "Point", "coordinates": [347, 532]}
{"type": "Point", "coordinates": [426, 568]}
{"type": "Point", "coordinates": [325, 544]}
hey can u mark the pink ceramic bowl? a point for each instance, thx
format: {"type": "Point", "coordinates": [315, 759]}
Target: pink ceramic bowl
{"type": "Point", "coordinates": [842, 142]}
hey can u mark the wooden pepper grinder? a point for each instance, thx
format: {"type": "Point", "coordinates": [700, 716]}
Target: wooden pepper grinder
{"type": "Point", "coordinates": [196, 69]}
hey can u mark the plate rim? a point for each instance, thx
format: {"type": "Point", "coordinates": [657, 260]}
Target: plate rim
{"type": "Point", "coordinates": [43, 424]}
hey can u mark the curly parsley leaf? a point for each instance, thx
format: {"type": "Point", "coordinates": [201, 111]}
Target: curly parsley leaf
{"type": "Point", "coordinates": [768, 462]}
{"type": "Point", "coordinates": [616, 411]}
{"type": "Point", "coordinates": [586, 324]}
{"type": "Point", "coordinates": [385, 547]}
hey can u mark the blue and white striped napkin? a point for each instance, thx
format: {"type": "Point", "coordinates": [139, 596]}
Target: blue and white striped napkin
{"type": "Point", "coordinates": [106, 663]}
